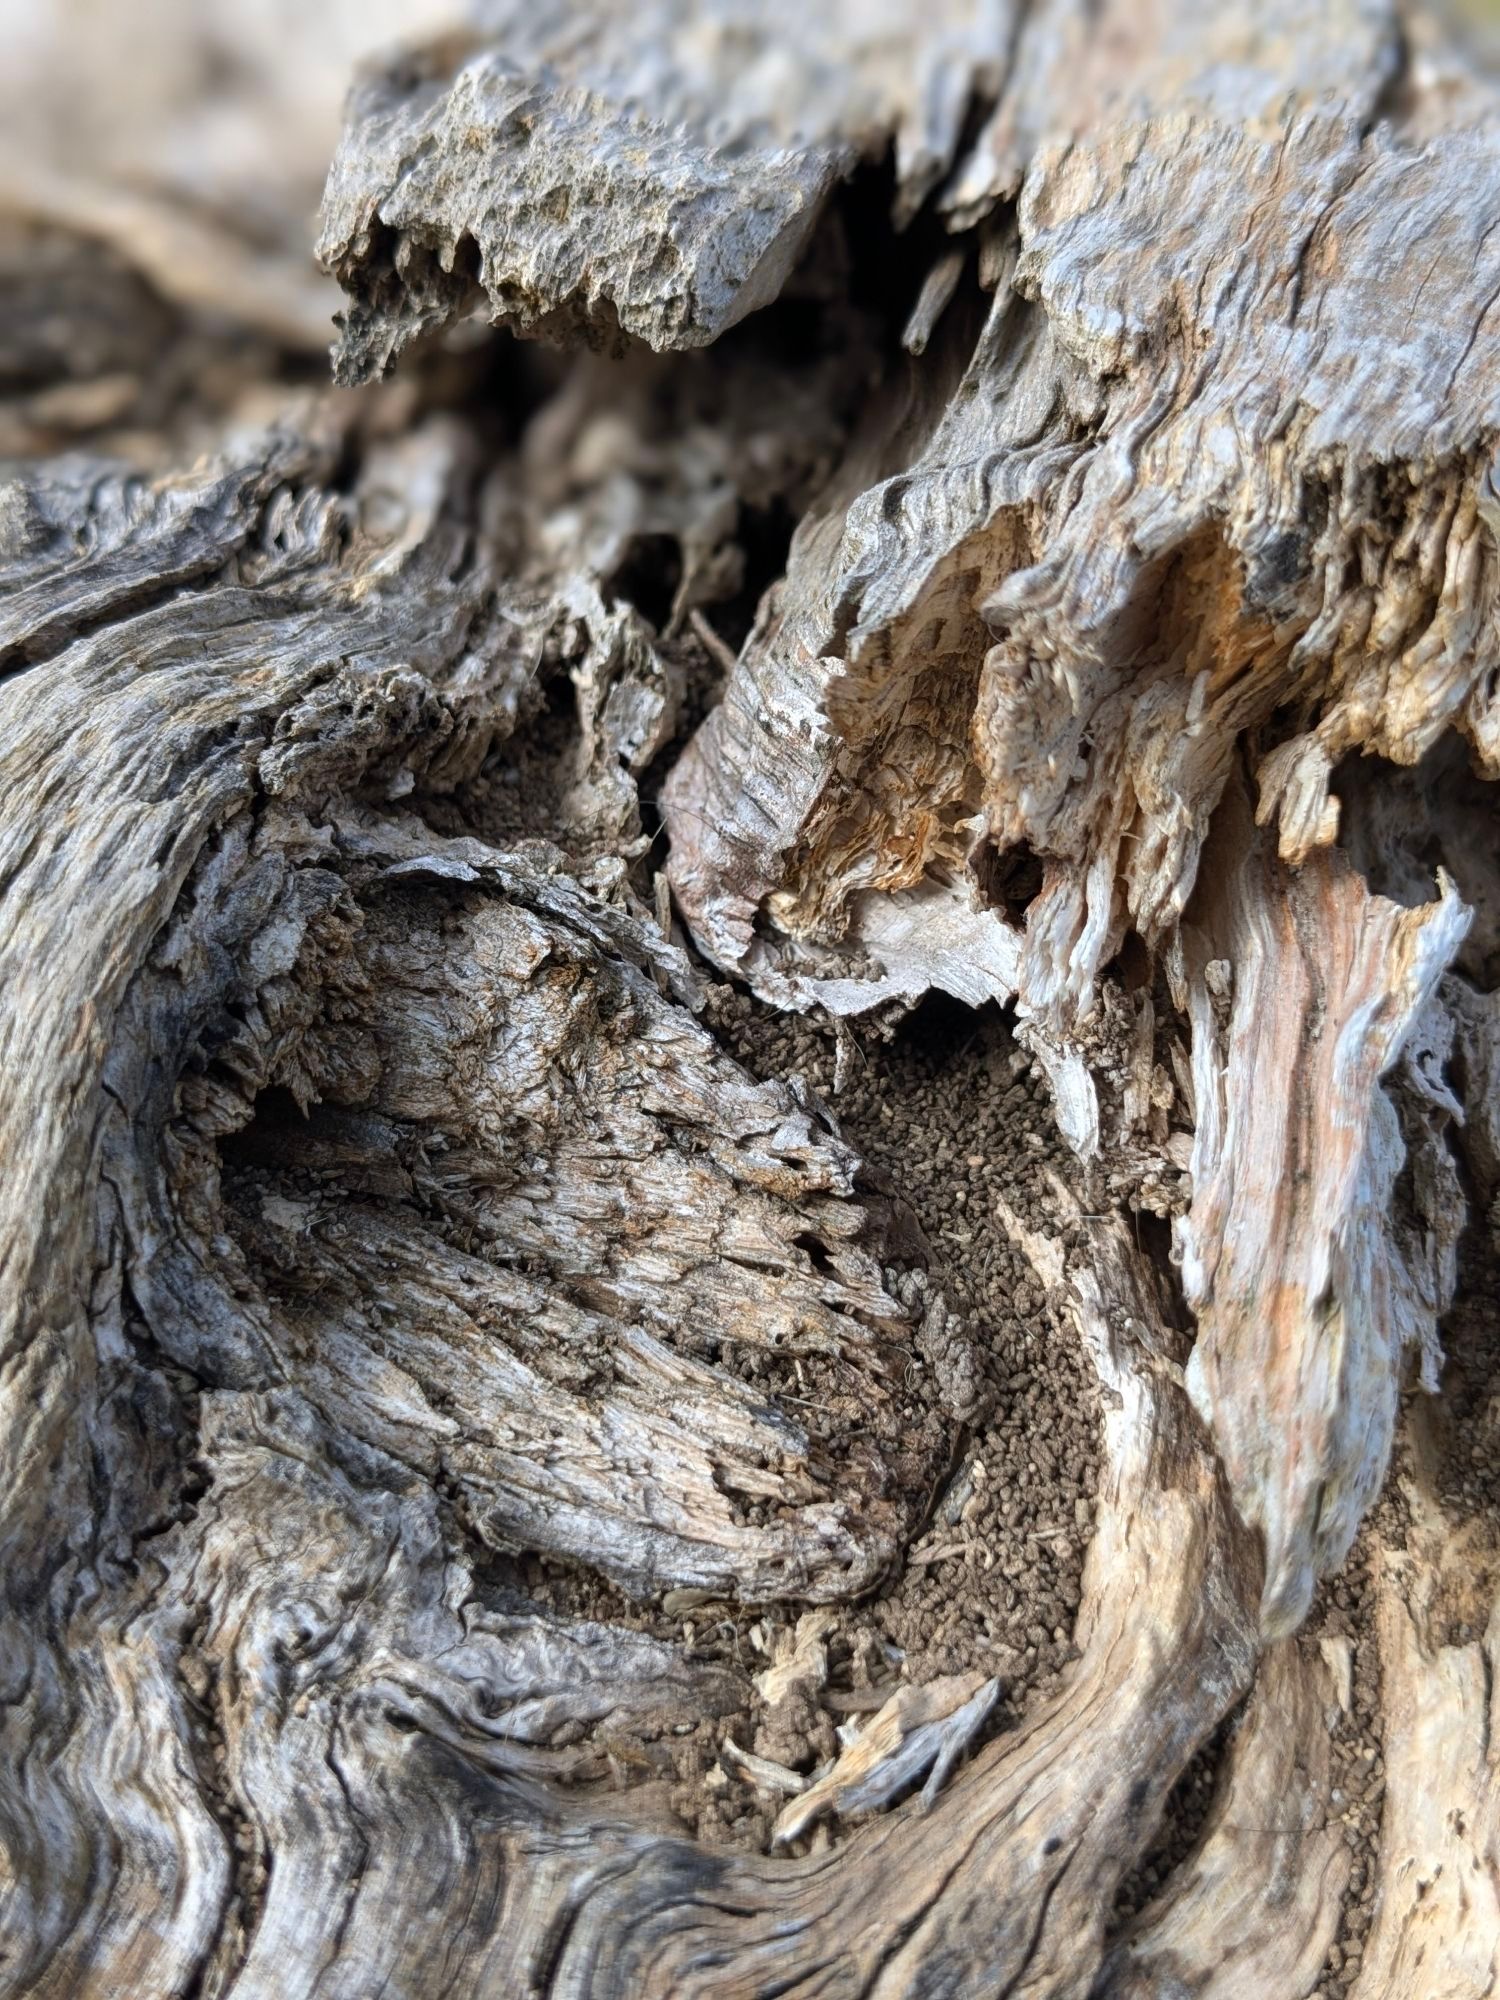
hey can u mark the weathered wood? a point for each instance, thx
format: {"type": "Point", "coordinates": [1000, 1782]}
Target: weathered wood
{"type": "Point", "coordinates": [420, 1334]}
{"type": "Point", "coordinates": [1306, 1289]}
{"type": "Point", "coordinates": [1151, 524]}
{"type": "Point", "coordinates": [1256, 1907]}
{"type": "Point", "coordinates": [658, 186]}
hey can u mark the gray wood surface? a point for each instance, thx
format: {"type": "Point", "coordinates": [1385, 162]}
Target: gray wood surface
{"type": "Point", "coordinates": [377, 1208]}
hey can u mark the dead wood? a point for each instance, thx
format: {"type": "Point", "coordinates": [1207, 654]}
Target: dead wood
{"type": "Point", "coordinates": [1005, 507]}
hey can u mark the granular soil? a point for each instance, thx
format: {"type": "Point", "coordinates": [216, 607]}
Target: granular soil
{"type": "Point", "coordinates": [947, 1112]}
{"type": "Point", "coordinates": [950, 1111]}
{"type": "Point", "coordinates": [1345, 1610]}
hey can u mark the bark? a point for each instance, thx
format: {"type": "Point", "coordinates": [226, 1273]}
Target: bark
{"type": "Point", "coordinates": [1009, 509]}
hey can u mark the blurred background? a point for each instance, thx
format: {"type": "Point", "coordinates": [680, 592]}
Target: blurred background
{"type": "Point", "coordinates": [194, 135]}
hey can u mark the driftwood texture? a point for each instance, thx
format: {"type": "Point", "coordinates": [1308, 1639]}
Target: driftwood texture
{"type": "Point", "coordinates": [1089, 416]}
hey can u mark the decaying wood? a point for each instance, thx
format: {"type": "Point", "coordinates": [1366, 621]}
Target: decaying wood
{"type": "Point", "coordinates": [1016, 515]}
{"type": "Point", "coordinates": [1273, 1835]}
{"type": "Point", "coordinates": [716, 142]}
{"type": "Point", "coordinates": [1305, 1291]}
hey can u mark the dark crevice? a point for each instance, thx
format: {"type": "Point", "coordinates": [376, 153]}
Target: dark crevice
{"type": "Point", "coordinates": [649, 577]}
{"type": "Point", "coordinates": [764, 534]}
{"type": "Point", "coordinates": [817, 1251]}
{"type": "Point", "coordinates": [1400, 824]}
{"type": "Point", "coordinates": [249, 1861]}
{"type": "Point", "coordinates": [1010, 878]}
{"type": "Point", "coordinates": [1133, 964]}
{"type": "Point", "coordinates": [1153, 1237]}
{"type": "Point", "coordinates": [944, 1028]}
{"type": "Point", "coordinates": [1394, 101]}
{"type": "Point", "coordinates": [1184, 1817]}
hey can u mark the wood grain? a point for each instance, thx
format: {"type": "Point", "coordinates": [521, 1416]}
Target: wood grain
{"type": "Point", "coordinates": [1015, 514]}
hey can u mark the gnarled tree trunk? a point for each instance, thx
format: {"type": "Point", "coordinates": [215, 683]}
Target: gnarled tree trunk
{"type": "Point", "coordinates": [751, 1069]}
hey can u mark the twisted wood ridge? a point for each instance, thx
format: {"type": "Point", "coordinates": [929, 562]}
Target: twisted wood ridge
{"type": "Point", "coordinates": [375, 1204]}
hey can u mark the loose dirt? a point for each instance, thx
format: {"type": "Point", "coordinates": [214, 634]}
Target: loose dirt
{"type": "Point", "coordinates": [947, 1114]}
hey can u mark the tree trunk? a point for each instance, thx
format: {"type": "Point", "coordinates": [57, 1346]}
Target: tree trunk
{"type": "Point", "coordinates": [572, 1429]}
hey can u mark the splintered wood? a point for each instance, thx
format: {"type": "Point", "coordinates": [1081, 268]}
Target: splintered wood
{"type": "Point", "coordinates": [973, 507]}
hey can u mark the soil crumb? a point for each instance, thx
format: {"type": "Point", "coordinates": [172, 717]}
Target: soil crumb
{"type": "Point", "coordinates": [1344, 1610]}
{"type": "Point", "coordinates": [946, 1112]}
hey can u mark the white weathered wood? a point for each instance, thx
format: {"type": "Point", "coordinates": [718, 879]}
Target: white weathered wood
{"type": "Point", "coordinates": [1308, 1294]}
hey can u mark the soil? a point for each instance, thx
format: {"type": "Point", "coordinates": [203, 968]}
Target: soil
{"type": "Point", "coordinates": [946, 1112]}
{"type": "Point", "coordinates": [948, 1109]}
{"type": "Point", "coordinates": [1345, 1609]}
